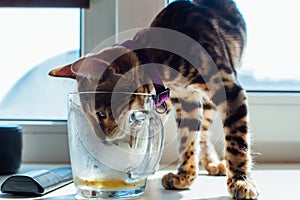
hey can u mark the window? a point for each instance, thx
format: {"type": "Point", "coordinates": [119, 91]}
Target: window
{"type": "Point", "coordinates": [34, 41]}
{"type": "Point", "coordinates": [271, 60]}
{"type": "Point", "coordinates": [273, 117]}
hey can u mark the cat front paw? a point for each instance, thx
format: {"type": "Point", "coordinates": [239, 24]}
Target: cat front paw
{"type": "Point", "coordinates": [242, 189]}
{"type": "Point", "coordinates": [172, 181]}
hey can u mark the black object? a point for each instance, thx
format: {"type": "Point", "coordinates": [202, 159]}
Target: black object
{"type": "Point", "coordinates": [10, 148]}
{"type": "Point", "coordinates": [37, 182]}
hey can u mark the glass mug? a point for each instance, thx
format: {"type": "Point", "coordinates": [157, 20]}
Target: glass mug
{"type": "Point", "coordinates": [115, 143]}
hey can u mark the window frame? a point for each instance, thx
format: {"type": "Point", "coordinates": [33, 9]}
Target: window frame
{"type": "Point", "coordinates": [46, 3]}
{"type": "Point", "coordinates": [273, 116]}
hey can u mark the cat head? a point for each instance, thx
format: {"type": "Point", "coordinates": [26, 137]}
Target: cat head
{"type": "Point", "coordinates": [113, 69]}
{"type": "Point", "coordinates": [102, 71]}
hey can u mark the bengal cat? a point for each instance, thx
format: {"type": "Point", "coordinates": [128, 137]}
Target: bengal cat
{"type": "Point", "coordinates": [219, 28]}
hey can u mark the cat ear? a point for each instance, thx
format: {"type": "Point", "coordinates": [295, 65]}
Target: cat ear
{"type": "Point", "coordinates": [90, 67]}
{"type": "Point", "coordinates": [64, 71]}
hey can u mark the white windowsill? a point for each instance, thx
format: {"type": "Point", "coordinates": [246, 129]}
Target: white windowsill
{"type": "Point", "coordinates": [269, 179]}
{"type": "Point", "coordinates": [273, 119]}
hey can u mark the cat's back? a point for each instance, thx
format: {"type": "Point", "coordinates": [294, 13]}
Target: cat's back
{"type": "Point", "coordinates": [182, 13]}
{"type": "Point", "coordinates": [216, 24]}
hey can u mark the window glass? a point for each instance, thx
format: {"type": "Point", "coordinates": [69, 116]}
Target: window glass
{"type": "Point", "coordinates": [271, 62]}
{"type": "Point", "coordinates": [271, 58]}
{"type": "Point", "coordinates": [34, 41]}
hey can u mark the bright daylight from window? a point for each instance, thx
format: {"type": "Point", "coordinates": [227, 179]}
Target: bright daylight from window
{"type": "Point", "coordinates": [33, 41]}
{"type": "Point", "coordinates": [271, 59]}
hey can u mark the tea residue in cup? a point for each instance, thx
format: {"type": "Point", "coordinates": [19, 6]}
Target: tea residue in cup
{"type": "Point", "coordinates": [108, 184]}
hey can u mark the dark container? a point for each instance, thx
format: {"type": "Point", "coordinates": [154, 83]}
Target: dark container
{"type": "Point", "coordinates": [10, 148]}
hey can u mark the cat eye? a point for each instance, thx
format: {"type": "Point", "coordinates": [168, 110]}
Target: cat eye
{"type": "Point", "coordinates": [101, 115]}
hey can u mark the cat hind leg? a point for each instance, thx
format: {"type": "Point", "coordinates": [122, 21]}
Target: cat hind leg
{"type": "Point", "coordinates": [209, 158]}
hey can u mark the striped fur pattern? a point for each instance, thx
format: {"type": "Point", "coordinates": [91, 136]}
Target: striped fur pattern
{"type": "Point", "coordinates": [220, 29]}
{"type": "Point", "coordinates": [222, 32]}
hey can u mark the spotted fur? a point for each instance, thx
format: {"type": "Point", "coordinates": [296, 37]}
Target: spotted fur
{"type": "Point", "coordinates": [219, 28]}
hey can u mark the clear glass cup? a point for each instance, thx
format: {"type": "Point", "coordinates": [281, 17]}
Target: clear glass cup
{"type": "Point", "coordinates": [115, 142]}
